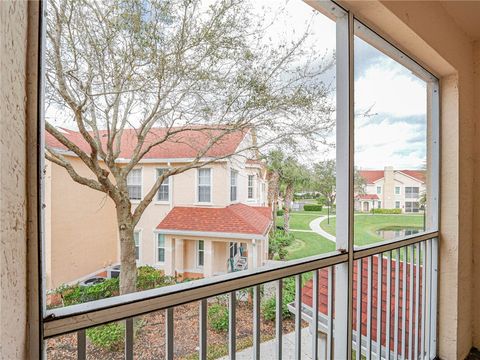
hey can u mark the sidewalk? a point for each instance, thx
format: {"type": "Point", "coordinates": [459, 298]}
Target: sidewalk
{"type": "Point", "coordinates": [267, 349]}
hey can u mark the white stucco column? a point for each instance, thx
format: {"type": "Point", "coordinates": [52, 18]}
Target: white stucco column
{"type": "Point", "coordinates": [251, 248]}
{"type": "Point", "coordinates": [169, 256]}
{"type": "Point", "coordinates": [209, 258]}
{"type": "Point", "coordinates": [179, 254]}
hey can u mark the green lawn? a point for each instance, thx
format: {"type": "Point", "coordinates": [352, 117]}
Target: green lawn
{"type": "Point", "coordinates": [367, 225]}
{"type": "Point", "coordinates": [308, 244]}
{"type": "Point", "coordinates": [299, 220]}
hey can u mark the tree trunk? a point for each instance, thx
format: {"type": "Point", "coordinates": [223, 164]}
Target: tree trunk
{"type": "Point", "coordinates": [128, 272]}
{"type": "Point", "coordinates": [286, 210]}
{"type": "Point", "coordinates": [273, 188]}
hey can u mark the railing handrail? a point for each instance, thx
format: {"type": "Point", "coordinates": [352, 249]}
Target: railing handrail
{"type": "Point", "coordinates": [81, 316]}
{"type": "Point", "coordinates": [77, 317]}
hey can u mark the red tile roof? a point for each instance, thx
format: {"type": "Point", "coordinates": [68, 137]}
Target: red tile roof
{"type": "Point", "coordinates": [366, 197]}
{"type": "Point", "coordinates": [307, 291]}
{"type": "Point", "coordinates": [237, 218]}
{"type": "Point", "coordinates": [185, 144]}
{"type": "Point", "coordinates": [417, 174]}
{"type": "Point", "coordinates": [370, 176]}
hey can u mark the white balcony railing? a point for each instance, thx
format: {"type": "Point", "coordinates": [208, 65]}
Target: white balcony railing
{"type": "Point", "coordinates": [400, 276]}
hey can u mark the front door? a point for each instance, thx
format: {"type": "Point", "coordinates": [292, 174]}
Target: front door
{"type": "Point", "coordinates": [366, 206]}
{"type": "Point", "coordinates": [234, 249]}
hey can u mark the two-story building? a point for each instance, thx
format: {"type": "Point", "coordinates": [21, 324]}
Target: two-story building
{"type": "Point", "coordinates": [202, 222]}
{"type": "Point", "coordinates": [391, 189]}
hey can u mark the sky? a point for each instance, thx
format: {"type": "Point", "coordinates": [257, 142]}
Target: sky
{"type": "Point", "coordinates": [390, 102]}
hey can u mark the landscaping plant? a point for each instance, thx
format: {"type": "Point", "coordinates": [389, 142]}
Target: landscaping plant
{"type": "Point", "coordinates": [218, 317]}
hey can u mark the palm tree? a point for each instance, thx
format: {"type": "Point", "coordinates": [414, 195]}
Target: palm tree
{"type": "Point", "coordinates": [285, 173]}
{"type": "Point", "coordinates": [293, 176]}
{"type": "Point", "coordinates": [274, 160]}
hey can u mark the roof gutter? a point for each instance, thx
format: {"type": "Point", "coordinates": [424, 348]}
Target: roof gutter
{"type": "Point", "coordinates": [214, 234]}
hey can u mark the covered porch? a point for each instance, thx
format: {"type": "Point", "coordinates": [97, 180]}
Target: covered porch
{"type": "Point", "coordinates": [197, 257]}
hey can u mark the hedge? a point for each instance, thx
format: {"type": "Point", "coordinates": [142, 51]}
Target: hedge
{"type": "Point", "coordinates": [386, 211]}
{"type": "Point", "coordinates": [280, 212]}
{"type": "Point", "coordinates": [312, 207]}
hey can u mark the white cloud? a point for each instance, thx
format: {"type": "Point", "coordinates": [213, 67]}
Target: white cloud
{"type": "Point", "coordinates": [389, 144]}
{"type": "Point", "coordinates": [390, 88]}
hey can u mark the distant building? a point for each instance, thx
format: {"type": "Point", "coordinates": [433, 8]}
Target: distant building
{"type": "Point", "coordinates": [391, 189]}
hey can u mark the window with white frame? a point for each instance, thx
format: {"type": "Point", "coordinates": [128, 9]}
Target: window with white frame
{"type": "Point", "coordinates": [134, 184]}
{"type": "Point", "coordinates": [163, 193]}
{"type": "Point", "coordinates": [412, 192]}
{"type": "Point", "coordinates": [160, 248]}
{"type": "Point", "coordinates": [412, 206]}
{"type": "Point", "coordinates": [379, 189]}
{"type": "Point", "coordinates": [379, 204]}
{"type": "Point", "coordinates": [204, 185]}
{"type": "Point", "coordinates": [136, 239]}
{"type": "Point", "coordinates": [200, 253]}
{"type": "Point", "coordinates": [233, 185]}
{"type": "Point", "coordinates": [397, 204]}
{"type": "Point", "coordinates": [397, 190]}
{"type": "Point", "coordinates": [251, 186]}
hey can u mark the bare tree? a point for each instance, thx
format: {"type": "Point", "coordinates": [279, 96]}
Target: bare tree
{"type": "Point", "coordinates": [181, 66]}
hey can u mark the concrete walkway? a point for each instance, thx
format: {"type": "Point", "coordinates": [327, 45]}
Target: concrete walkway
{"type": "Point", "coordinates": [268, 348]}
{"type": "Point", "coordinates": [315, 226]}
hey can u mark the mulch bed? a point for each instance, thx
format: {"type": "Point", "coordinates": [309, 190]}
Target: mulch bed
{"type": "Point", "coordinates": [150, 338]}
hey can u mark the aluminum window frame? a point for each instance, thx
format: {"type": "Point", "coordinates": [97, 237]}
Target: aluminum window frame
{"type": "Point", "coordinates": [64, 320]}
{"type": "Point", "coordinates": [167, 182]}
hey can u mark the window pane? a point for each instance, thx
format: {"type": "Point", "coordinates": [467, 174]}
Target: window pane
{"type": "Point", "coordinates": [392, 131]}
{"type": "Point", "coordinates": [204, 194]}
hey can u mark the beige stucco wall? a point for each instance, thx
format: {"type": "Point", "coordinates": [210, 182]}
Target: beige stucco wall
{"type": "Point", "coordinates": [13, 193]}
{"type": "Point", "coordinates": [81, 231]}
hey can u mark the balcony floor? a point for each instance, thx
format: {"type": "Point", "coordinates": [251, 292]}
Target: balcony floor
{"type": "Point", "coordinates": [267, 349]}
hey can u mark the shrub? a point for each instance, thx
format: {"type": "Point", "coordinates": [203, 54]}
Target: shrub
{"type": "Point", "coordinates": [148, 278]}
{"type": "Point", "coordinates": [288, 296]}
{"type": "Point", "coordinates": [312, 207]}
{"type": "Point", "coordinates": [279, 242]}
{"type": "Point", "coordinates": [269, 309]}
{"type": "Point", "coordinates": [386, 211]}
{"type": "Point", "coordinates": [280, 212]}
{"type": "Point", "coordinates": [218, 317]}
{"type": "Point", "coordinates": [109, 336]}
{"type": "Point", "coordinates": [77, 294]}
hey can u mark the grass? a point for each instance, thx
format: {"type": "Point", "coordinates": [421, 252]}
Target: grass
{"type": "Point", "coordinates": [308, 244]}
{"type": "Point", "coordinates": [367, 225]}
{"type": "Point", "coordinates": [300, 220]}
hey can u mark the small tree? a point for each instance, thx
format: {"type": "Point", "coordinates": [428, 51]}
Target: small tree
{"type": "Point", "coordinates": [325, 180]}
{"type": "Point", "coordinates": [182, 66]}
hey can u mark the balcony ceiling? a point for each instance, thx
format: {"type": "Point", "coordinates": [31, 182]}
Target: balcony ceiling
{"type": "Point", "coordinates": [466, 15]}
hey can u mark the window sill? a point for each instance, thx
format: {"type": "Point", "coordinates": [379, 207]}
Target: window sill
{"type": "Point", "coordinates": [203, 204]}
{"type": "Point", "coordinates": [162, 202]}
